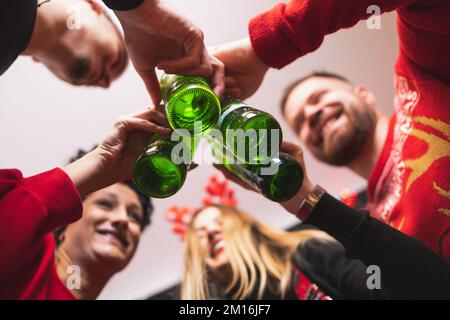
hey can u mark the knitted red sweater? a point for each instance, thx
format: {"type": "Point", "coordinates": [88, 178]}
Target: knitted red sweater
{"type": "Point", "coordinates": [30, 208]}
{"type": "Point", "coordinates": [410, 185]}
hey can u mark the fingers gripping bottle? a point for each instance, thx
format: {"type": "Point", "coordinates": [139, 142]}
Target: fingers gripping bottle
{"type": "Point", "coordinates": [278, 180]}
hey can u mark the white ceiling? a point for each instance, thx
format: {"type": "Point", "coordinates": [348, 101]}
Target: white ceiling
{"type": "Point", "coordinates": [43, 121]}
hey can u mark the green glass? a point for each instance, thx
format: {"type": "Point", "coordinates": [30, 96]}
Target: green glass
{"type": "Point", "coordinates": [280, 185]}
{"type": "Point", "coordinates": [189, 100]}
{"type": "Point", "coordinates": [255, 144]}
{"type": "Point", "coordinates": [155, 173]}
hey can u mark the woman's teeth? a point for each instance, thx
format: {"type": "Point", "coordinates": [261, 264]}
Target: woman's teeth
{"type": "Point", "coordinates": [217, 246]}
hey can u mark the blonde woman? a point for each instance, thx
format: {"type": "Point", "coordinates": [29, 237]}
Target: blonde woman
{"type": "Point", "coordinates": [231, 255]}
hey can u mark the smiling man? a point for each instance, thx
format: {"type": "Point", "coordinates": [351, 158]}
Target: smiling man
{"type": "Point", "coordinates": [340, 124]}
{"type": "Point", "coordinates": [336, 120]}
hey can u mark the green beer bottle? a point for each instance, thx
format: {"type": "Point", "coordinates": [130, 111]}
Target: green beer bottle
{"type": "Point", "coordinates": [188, 100]}
{"type": "Point", "coordinates": [250, 134]}
{"type": "Point", "coordinates": [279, 180]}
{"type": "Point", "coordinates": [156, 173]}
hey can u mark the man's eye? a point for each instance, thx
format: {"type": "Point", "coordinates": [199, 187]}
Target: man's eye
{"type": "Point", "coordinates": [314, 99]}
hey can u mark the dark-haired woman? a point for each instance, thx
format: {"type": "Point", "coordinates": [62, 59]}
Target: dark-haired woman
{"type": "Point", "coordinates": [103, 214]}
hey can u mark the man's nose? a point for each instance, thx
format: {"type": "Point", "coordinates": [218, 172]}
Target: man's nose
{"type": "Point", "coordinates": [312, 115]}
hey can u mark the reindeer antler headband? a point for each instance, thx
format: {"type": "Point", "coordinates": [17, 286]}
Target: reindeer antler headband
{"type": "Point", "coordinates": [217, 192]}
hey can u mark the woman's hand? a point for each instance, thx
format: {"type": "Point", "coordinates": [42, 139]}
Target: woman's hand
{"type": "Point", "coordinates": [113, 160]}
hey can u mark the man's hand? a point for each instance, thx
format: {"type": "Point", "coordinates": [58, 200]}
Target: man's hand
{"type": "Point", "coordinates": [157, 36]}
{"type": "Point", "coordinates": [244, 71]}
{"type": "Point", "coordinates": [113, 160]}
{"type": "Point", "coordinates": [293, 204]}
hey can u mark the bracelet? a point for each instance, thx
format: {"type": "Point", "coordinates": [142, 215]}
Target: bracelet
{"type": "Point", "coordinates": [310, 201]}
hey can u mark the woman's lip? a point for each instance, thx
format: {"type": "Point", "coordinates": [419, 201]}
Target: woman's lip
{"type": "Point", "coordinates": [113, 237]}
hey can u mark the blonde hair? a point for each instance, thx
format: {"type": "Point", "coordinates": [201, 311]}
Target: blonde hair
{"type": "Point", "coordinates": [259, 257]}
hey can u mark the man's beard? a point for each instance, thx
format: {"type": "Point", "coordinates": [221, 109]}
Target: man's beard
{"type": "Point", "coordinates": [346, 144]}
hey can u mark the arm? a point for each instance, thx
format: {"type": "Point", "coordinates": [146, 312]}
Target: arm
{"type": "Point", "coordinates": [408, 268]}
{"type": "Point", "coordinates": [289, 31]}
{"type": "Point", "coordinates": [32, 207]}
{"type": "Point", "coordinates": [285, 33]}
{"type": "Point", "coordinates": [325, 263]}
{"type": "Point", "coordinates": [29, 209]}
{"type": "Point", "coordinates": [15, 36]}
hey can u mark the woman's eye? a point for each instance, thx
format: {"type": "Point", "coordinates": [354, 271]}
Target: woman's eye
{"type": "Point", "coordinates": [105, 204]}
{"type": "Point", "coordinates": [135, 217]}
{"type": "Point", "coordinates": [201, 233]}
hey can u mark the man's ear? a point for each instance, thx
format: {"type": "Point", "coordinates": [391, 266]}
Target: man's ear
{"type": "Point", "coordinates": [36, 59]}
{"type": "Point", "coordinates": [366, 95]}
{"type": "Point", "coordinates": [96, 6]}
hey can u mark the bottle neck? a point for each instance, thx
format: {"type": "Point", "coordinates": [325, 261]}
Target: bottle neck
{"type": "Point", "coordinates": [229, 105]}
{"type": "Point", "coordinates": [170, 83]}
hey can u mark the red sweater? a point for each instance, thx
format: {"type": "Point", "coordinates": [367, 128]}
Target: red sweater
{"type": "Point", "coordinates": [30, 208]}
{"type": "Point", "coordinates": [410, 185]}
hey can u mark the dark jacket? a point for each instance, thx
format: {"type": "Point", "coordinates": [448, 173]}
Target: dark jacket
{"type": "Point", "coordinates": [322, 267]}
{"type": "Point", "coordinates": [409, 270]}
{"type": "Point", "coordinates": [17, 19]}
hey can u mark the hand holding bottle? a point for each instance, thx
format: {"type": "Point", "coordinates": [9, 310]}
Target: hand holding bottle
{"type": "Point", "coordinates": [291, 205]}
{"type": "Point", "coordinates": [157, 36]}
{"type": "Point", "coordinates": [113, 160]}
{"type": "Point", "coordinates": [244, 71]}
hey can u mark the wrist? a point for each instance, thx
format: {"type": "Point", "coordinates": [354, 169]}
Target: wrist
{"type": "Point", "coordinates": [293, 204]}
{"type": "Point", "coordinates": [87, 174]}
{"type": "Point", "coordinates": [309, 203]}
{"type": "Point", "coordinates": [141, 12]}
{"type": "Point", "coordinates": [253, 57]}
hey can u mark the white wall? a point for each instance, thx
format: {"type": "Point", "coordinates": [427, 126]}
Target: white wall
{"type": "Point", "coordinates": [43, 121]}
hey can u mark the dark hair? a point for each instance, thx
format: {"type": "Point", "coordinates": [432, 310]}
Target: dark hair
{"type": "Point", "coordinates": [145, 201]}
{"type": "Point", "coordinates": [314, 74]}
